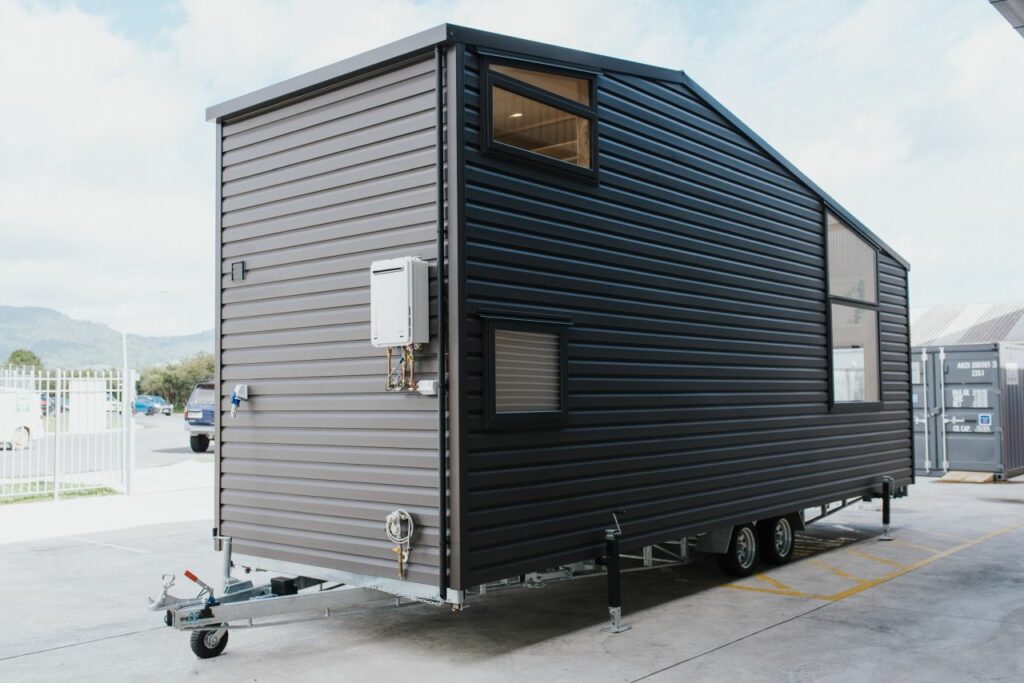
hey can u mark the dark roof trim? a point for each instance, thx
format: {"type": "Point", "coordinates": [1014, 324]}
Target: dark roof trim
{"type": "Point", "coordinates": [449, 33]}
{"type": "Point", "coordinates": [564, 55]}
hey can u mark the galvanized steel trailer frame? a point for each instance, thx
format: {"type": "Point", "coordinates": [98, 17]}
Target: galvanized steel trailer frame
{"type": "Point", "coordinates": [242, 604]}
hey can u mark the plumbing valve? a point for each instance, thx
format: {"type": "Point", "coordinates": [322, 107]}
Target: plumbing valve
{"type": "Point", "coordinates": [241, 393]}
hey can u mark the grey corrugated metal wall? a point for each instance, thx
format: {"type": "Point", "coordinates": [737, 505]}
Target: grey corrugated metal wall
{"type": "Point", "coordinates": [694, 273]}
{"type": "Point", "coordinates": [312, 192]}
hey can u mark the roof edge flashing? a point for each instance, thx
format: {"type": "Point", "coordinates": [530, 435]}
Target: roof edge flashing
{"type": "Point", "coordinates": [324, 76]}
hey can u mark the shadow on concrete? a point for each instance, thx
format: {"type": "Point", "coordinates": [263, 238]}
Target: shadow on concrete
{"type": "Point", "coordinates": [507, 620]}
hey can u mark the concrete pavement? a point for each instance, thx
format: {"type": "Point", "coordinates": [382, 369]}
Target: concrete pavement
{"type": "Point", "coordinates": [162, 440]}
{"type": "Point", "coordinates": [942, 603]}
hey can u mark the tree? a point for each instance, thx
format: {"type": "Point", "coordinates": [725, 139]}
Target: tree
{"type": "Point", "coordinates": [25, 358]}
{"type": "Point", "coordinates": [175, 381]}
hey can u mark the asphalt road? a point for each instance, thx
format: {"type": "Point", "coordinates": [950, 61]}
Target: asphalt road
{"type": "Point", "coordinates": [162, 440]}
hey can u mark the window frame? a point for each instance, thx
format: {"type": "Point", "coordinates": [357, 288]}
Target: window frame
{"type": "Point", "coordinates": [850, 406]}
{"type": "Point", "coordinates": [492, 322]}
{"type": "Point", "coordinates": [490, 79]}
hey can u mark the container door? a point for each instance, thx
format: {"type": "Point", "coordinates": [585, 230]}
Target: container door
{"type": "Point", "coordinates": [972, 397]}
{"type": "Point", "coordinates": [927, 417]}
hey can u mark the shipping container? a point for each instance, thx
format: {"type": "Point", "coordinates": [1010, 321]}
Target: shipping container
{"type": "Point", "coordinates": [506, 295]}
{"type": "Point", "coordinates": [968, 409]}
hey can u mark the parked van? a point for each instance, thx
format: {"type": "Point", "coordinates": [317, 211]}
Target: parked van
{"type": "Point", "coordinates": [20, 417]}
{"type": "Point", "coordinates": [199, 416]}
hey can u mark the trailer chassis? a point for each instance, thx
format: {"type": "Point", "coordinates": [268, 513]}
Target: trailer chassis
{"type": "Point", "coordinates": [242, 604]}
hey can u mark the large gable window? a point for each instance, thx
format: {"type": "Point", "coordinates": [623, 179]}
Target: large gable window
{"type": "Point", "coordinates": [853, 301]}
{"type": "Point", "coordinates": [542, 116]}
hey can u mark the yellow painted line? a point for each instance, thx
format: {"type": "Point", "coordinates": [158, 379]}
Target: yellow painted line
{"type": "Point", "coordinates": [836, 570]}
{"type": "Point", "coordinates": [915, 546]}
{"type": "Point", "coordinates": [924, 563]}
{"type": "Point", "coordinates": [774, 591]}
{"type": "Point", "coordinates": [866, 584]}
{"type": "Point", "coordinates": [772, 582]}
{"type": "Point", "coordinates": [875, 558]}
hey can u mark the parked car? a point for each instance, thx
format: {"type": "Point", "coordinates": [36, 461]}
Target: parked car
{"type": "Point", "coordinates": [159, 406]}
{"type": "Point", "coordinates": [148, 404]}
{"type": "Point", "coordinates": [199, 416]}
{"type": "Point", "coordinates": [19, 418]}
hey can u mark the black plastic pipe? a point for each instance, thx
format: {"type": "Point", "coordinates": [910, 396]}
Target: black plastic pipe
{"type": "Point", "coordinates": [442, 341]}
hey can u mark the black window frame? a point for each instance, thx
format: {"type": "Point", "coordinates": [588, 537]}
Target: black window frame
{"type": "Point", "coordinates": [489, 145]}
{"type": "Point", "coordinates": [494, 321]}
{"type": "Point", "coordinates": [850, 406]}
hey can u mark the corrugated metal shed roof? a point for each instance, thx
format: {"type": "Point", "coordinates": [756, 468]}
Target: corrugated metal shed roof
{"type": "Point", "coordinates": [1013, 11]}
{"type": "Point", "coordinates": [950, 324]}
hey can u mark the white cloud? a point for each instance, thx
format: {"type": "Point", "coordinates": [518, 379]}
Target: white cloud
{"type": "Point", "coordinates": [905, 115]}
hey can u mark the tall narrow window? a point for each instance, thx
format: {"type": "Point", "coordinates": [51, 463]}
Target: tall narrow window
{"type": "Point", "coordinates": [853, 298]}
{"type": "Point", "coordinates": [542, 116]}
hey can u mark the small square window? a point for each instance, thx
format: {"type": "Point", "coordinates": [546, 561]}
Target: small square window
{"type": "Point", "coordinates": [524, 372]}
{"type": "Point", "coordinates": [527, 372]}
{"type": "Point", "coordinates": [541, 116]}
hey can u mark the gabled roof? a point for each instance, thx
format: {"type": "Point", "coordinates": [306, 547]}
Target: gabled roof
{"type": "Point", "coordinates": [954, 324]}
{"type": "Point", "coordinates": [446, 34]}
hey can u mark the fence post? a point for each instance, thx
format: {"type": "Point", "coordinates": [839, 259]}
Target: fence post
{"type": "Point", "coordinates": [126, 465]}
{"type": "Point", "coordinates": [58, 402]}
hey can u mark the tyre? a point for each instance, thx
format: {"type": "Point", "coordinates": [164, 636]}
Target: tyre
{"type": "Point", "coordinates": [199, 442]}
{"type": "Point", "coordinates": [741, 557]}
{"type": "Point", "coordinates": [777, 539]}
{"type": "Point", "coordinates": [20, 438]}
{"type": "Point", "coordinates": [207, 644]}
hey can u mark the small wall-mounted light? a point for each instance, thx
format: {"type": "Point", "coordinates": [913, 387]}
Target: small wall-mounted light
{"type": "Point", "coordinates": [516, 115]}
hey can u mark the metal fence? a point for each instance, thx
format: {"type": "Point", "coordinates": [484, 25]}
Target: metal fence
{"type": "Point", "coordinates": [64, 432]}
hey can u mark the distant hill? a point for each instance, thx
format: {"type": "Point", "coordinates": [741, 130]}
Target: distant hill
{"type": "Point", "coordinates": [64, 342]}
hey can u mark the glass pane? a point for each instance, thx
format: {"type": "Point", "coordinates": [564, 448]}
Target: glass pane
{"type": "Point", "coordinates": [539, 128]}
{"type": "Point", "coordinates": [576, 89]}
{"type": "Point", "coordinates": [854, 354]}
{"type": "Point", "coordinates": [202, 396]}
{"type": "Point", "coordinates": [526, 372]}
{"type": "Point", "coordinates": [851, 264]}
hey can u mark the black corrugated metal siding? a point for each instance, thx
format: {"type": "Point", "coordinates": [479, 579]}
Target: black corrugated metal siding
{"type": "Point", "coordinates": [694, 273]}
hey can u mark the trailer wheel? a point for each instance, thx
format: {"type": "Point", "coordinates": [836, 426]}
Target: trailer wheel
{"type": "Point", "coordinates": [776, 536]}
{"type": "Point", "coordinates": [199, 442]}
{"type": "Point", "coordinates": [208, 644]}
{"type": "Point", "coordinates": [741, 557]}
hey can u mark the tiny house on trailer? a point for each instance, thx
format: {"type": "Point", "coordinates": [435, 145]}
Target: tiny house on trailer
{"type": "Point", "coordinates": [489, 298]}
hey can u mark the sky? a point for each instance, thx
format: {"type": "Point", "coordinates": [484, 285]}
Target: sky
{"type": "Point", "coordinates": [908, 113]}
